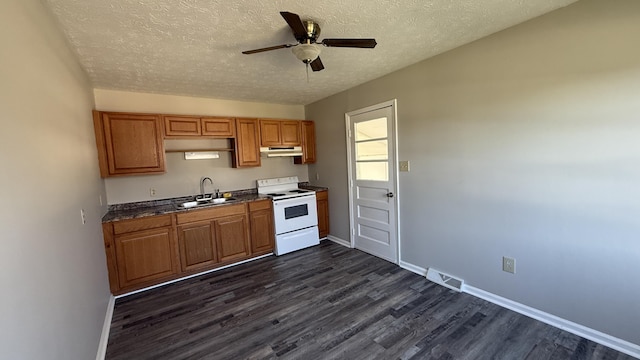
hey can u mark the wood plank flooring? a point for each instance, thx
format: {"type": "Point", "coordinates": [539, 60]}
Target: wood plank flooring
{"type": "Point", "coordinates": [328, 302]}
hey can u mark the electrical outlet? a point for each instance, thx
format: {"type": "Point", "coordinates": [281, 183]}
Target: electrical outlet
{"type": "Point", "coordinates": [404, 165]}
{"type": "Point", "coordinates": [152, 192]}
{"type": "Point", "coordinates": [509, 264]}
{"type": "Point", "coordinates": [100, 199]}
{"type": "Point", "coordinates": [83, 217]}
{"type": "Point", "coordinates": [317, 176]}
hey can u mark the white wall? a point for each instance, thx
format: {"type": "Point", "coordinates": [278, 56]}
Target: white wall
{"type": "Point", "coordinates": [53, 279]}
{"type": "Point", "coordinates": [182, 176]}
{"type": "Point", "coordinates": [522, 144]}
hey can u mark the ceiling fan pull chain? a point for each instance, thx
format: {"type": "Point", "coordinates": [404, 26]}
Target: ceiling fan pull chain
{"type": "Point", "coordinates": [307, 66]}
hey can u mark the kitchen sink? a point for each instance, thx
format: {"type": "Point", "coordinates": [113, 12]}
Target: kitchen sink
{"type": "Point", "coordinates": [205, 202]}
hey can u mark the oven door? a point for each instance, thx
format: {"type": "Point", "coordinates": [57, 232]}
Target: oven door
{"type": "Point", "coordinates": [295, 213]}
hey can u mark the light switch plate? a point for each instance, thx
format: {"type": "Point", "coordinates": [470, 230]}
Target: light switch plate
{"type": "Point", "coordinates": [404, 165]}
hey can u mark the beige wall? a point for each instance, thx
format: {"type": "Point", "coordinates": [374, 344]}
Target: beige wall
{"type": "Point", "coordinates": [183, 176]}
{"type": "Point", "coordinates": [522, 144]}
{"type": "Point", "coordinates": [53, 278]}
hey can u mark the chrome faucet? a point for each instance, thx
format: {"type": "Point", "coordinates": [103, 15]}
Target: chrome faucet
{"type": "Point", "coordinates": [202, 185]}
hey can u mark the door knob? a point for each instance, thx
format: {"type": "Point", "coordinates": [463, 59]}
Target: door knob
{"type": "Point", "coordinates": [390, 194]}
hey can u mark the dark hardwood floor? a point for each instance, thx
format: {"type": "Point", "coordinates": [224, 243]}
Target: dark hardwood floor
{"type": "Point", "coordinates": [328, 302]}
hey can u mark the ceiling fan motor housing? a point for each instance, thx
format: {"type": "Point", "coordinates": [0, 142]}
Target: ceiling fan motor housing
{"type": "Point", "coordinates": [313, 32]}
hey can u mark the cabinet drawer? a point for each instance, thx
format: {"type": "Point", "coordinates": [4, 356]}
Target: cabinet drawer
{"type": "Point", "coordinates": [212, 213]}
{"type": "Point", "coordinates": [152, 222]}
{"type": "Point", "coordinates": [260, 205]}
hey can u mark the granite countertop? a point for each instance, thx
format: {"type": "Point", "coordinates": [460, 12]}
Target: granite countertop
{"type": "Point", "coordinates": [306, 185]}
{"type": "Point", "coordinates": [141, 209]}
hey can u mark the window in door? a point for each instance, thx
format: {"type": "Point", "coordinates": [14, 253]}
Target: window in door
{"type": "Point", "coordinates": [372, 150]}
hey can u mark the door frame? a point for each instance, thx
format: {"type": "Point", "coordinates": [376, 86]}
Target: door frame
{"type": "Point", "coordinates": [394, 161]}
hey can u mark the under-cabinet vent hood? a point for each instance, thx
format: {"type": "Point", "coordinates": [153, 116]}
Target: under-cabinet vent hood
{"type": "Point", "coordinates": [276, 151]}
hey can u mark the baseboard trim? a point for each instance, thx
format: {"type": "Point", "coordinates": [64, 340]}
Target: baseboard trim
{"type": "Point", "coordinates": [106, 327]}
{"type": "Point", "coordinates": [193, 275]}
{"type": "Point", "coordinates": [413, 268]}
{"type": "Point", "coordinates": [615, 343]}
{"type": "Point", "coordinates": [574, 328]}
{"type": "Point", "coordinates": [339, 241]}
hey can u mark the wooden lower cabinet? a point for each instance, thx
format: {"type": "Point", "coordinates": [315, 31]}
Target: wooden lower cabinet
{"type": "Point", "coordinates": [262, 227]}
{"type": "Point", "coordinates": [151, 250]}
{"type": "Point", "coordinates": [322, 203]}
{"type": "Point", "coordinates": [140, 252]}
{"type": "Point", "coordinates": [197, 246]}
{"type": "Point", "coordinates": [232, 238]}
{"type": "Point", "coordinates": [144, 256]}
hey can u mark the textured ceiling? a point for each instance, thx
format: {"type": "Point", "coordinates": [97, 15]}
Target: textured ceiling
{"type": "Point", "coordinates": [193, 47]}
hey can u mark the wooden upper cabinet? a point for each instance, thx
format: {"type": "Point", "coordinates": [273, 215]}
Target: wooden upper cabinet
{"type": "Point", "coordinates": [280, 133]}
{"type": "Point", "coordinates": [290, 133]}
{"type": "Point", "coordinates": [218, 127]}
{"type": "Point", "coordinates": [193, 126]}
{"type": "Point", "coordinates": [246, 144]}
{"type": "Point", "coordinates": [181, 126]}
{"type": "Point", "coordinates": [308, 144]}
{"type": "Point", "coordinates": [129, 144]}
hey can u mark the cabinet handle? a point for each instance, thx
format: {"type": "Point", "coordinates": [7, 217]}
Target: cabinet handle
{"type": "Point", "coordinates": [390, 194]}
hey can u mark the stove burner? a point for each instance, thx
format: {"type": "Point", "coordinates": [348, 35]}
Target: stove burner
{"type": "Point", "coordinates": [274, 194]}
{"type": "Point", "coordinates": [298, 191]}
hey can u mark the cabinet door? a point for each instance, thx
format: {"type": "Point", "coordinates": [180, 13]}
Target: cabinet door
{"type": "Point", "coordinates": [197, 246]}
{"type": "Point", "coordinates": [231, 236]}
{"type": "Point", "coordinates": [182, 126]}
{"type": "Point", "coordinates": [322, 203]}
{"type": "Point", "coordinates": [129, 144]}
{"type": "Point", "coordinates": [246, 144]}
{"type": "Point", "coordinates": [145, 255]}
{"type": "Point", "coordinates": [261, 223]}
{"type": "Point", "coordinates": [290, 133]}
{"type": "Point", "coordinates": [270, 133]}
{"type": "Point", "coordinates": [218, 127]}
{"type": "Point", "coordinates": [308, 144]}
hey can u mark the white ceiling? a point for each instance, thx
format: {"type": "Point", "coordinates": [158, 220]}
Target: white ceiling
{"type": "Point", "coordinates": [193, 47]}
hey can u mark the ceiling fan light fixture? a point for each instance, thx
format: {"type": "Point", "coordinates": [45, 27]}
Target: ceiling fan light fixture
{"type": "Point", "coordinates": [306, 52]}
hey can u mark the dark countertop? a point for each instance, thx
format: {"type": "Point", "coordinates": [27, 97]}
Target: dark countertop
{"type": "Point", "coordinates": [305, 185]}
{"type": "Point", "coordinates": [141, 209]}
{"type": "Point", "coordinates": [169, 206]}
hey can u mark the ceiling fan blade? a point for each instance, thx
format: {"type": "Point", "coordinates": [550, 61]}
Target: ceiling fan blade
{"type": "Point", "coordinates": [355, 43]}
{"type": "Point", "coordinates": [295, 23]}
{"type": "Point", "coordinates": [316, 65]}
{"type": "Point", "coordinates": [249, 52]}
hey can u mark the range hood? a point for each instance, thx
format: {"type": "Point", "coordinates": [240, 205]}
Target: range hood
{"type": "Point", "coordinates": [276, 151]}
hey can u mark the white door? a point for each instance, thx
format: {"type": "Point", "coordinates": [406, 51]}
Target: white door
{"type": "Point", "coordinates": [371, 135]}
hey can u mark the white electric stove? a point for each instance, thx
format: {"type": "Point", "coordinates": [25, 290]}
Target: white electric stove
{"type": "Point", "coordinates": [294, 212]}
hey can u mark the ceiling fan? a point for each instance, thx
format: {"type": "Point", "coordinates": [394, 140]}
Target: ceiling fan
{"type": "Point", "coordinates": [307, 49]}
